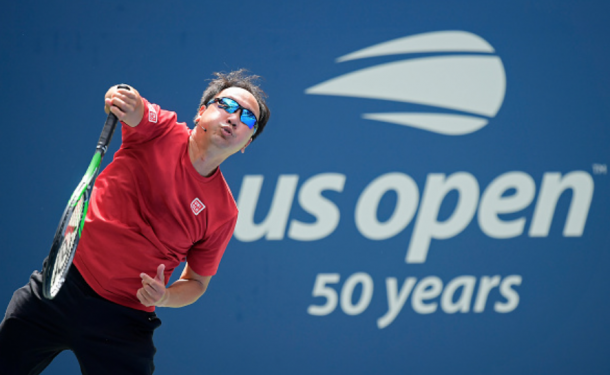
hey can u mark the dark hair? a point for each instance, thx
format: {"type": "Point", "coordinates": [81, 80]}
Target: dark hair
{"type": "Point", "coordinates": [239, 78]}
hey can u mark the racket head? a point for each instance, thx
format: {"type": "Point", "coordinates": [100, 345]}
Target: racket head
{"type": "Point", "coordinates": [65, 242]}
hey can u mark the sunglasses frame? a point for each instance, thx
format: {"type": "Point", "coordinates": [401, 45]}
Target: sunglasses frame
{"type": "Point", "coordinates": [226, 107]}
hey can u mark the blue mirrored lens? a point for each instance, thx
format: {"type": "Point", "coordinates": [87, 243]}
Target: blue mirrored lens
{"type": "Point", "coordinates": [248, 118]}
{"type": "Point", "coordinates": [229, 105]}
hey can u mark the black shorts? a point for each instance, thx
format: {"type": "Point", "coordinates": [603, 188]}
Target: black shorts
{"type": "Point", "coordinates": [106, 338]}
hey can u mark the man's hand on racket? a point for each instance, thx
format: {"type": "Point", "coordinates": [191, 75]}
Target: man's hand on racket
{"type": "Point", "coordinates": [127, 105]}
{"type": "Point", "coordinates": [153, 291]}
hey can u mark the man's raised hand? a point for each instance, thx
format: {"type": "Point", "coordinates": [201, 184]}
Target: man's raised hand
{"type": "Point", "coordinates": [153, 291]}
{"type": "Point", "coordinates": [127, 105]}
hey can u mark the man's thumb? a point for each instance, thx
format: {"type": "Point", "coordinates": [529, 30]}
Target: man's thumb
{"type": "Point", "coordinates": [161, 273]}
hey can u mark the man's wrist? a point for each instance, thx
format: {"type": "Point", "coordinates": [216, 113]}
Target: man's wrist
{"type": "Point", "coordinates": [161, 302]}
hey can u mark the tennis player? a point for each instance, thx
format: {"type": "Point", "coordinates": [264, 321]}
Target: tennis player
{"type": "Point", "coordinates": [163, 200]}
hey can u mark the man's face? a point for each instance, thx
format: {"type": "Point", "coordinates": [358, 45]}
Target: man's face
{"type": "Point", "coordinates": [226, 130]}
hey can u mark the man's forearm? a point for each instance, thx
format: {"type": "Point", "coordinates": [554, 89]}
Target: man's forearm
{"type": "Point", "coordinates": [181, 293]}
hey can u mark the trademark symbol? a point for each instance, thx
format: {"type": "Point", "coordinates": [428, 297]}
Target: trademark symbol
{"type": "Point", "coordinates": [600, 168]}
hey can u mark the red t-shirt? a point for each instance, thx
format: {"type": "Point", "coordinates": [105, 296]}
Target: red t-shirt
{"type": "Point", "coordinates": [150, 206]}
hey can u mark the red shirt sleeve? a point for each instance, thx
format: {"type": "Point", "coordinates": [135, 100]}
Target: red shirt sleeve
{"type": "Point", "coordinates": [204, 257]}
{"type": "Point", "coordinates": [155, 123]}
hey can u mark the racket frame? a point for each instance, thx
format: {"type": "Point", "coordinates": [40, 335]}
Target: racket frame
{"type": "Point", "coordinates": [53, 278]}
{"type": "Point", "coordinates": [50, 284]}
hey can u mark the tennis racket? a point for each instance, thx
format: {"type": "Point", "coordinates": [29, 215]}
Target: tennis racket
{"type": "Point", "coordinates": [72, 221]}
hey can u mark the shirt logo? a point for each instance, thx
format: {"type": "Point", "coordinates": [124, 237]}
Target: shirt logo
{"type": "Point", "coordinates": [455, 89]}
{"type": "Point", "coordinates": [152, 114]}
{"type": "Point", "coordinates": [197, 206]}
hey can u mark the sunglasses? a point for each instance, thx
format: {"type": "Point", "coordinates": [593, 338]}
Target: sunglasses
{"type": "Point", "coordinates": [231, 106]}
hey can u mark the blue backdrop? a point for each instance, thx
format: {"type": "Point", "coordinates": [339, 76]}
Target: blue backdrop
{"type": "Point", "coordinates": [436, 203]}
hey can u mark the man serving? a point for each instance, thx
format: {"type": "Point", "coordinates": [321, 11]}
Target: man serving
{"type": "Point", "coordinates": [161, 201]}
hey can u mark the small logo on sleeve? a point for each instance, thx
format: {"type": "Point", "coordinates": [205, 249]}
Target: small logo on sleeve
{"type": "Point", "coordinates": [197, 206]}
{"type": "Point", "coordinates": [152, 114]}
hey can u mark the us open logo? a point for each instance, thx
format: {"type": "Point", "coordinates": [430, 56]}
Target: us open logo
{"type": "Point", "coordinates": [467, 84]}
{"type": "Point", "coordinates": [197, 206]}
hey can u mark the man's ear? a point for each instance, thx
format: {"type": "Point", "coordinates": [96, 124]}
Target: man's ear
{"type": "Point", "coordinates": [199, 113]}
{"type": "Point", "coordinates": [247, 144]}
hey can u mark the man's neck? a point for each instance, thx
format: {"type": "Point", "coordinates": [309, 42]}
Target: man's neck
{"type": "Point", "coordinates": [204, 159]}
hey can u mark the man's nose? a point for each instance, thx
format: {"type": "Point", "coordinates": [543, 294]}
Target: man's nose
{"type": "Point", "coordinates": [234, 118]}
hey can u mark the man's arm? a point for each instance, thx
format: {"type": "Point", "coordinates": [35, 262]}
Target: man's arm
{"type": "Point", "coordinates": [183, 292]}
{"type": "Point", "coordinates": [127, 105]}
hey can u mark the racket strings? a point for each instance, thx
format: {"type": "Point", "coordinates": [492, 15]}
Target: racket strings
{"type": "Point", "coordinates": [66, 250]}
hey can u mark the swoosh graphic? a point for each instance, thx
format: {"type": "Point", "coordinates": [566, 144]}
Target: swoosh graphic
{"type": "Point", "coordinates": [474, 84]}
{"type": "Point", "coordinates": [446, 124]}
{"type": "Point", "coordinates": [438, 41]}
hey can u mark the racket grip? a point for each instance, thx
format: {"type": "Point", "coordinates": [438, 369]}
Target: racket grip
{"type": "Point", "coordinates": [109, 126]}
{"type": "Point", "coordinates": [107, 132]}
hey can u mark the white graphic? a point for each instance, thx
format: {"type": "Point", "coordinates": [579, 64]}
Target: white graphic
{"type": "Point", "coordinates": [472, 84]}
{"type": "Point", "coordinates": [197, 206]}
{"type": "Point", "coordinates": [484, 205]}
{"type": "Point", "coordinates": [152, 114]}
